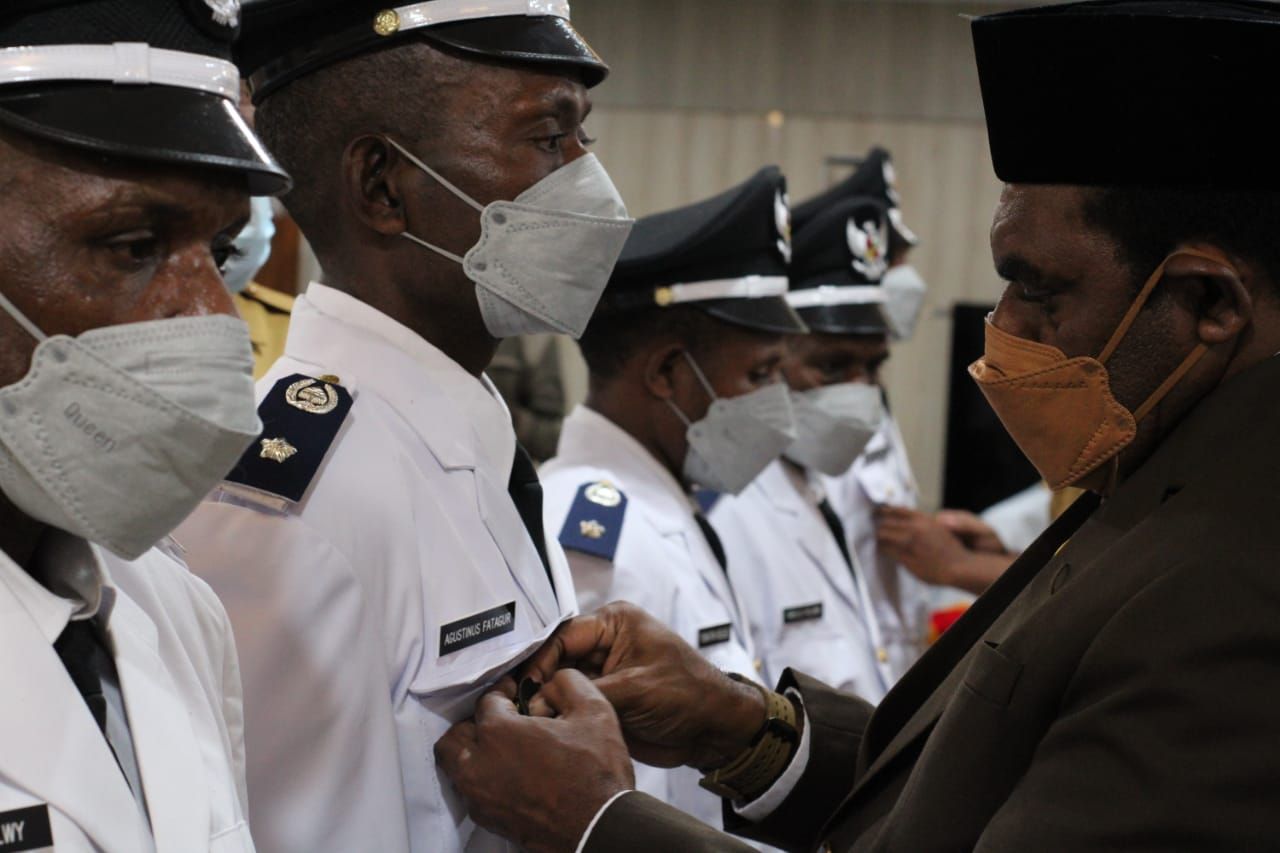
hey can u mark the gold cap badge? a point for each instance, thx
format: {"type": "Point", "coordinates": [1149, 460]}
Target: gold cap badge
{"type": "Point", "coordinates": [386, 23]}
{"type": "Point", "coordinates": [604, 494]}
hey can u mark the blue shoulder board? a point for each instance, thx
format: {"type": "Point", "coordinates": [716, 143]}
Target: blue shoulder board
{"type": "Point", "coordinates": [706, 499]}
{"type": "Point", "coordinates": [594, 524]}
{"type": "Point", "coordinates": [300, 420]}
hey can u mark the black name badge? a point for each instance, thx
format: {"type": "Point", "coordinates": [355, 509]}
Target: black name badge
{"type": "Point", "coordinates": [803, 613]}
{"type": "Point", "coordinates": [25, 829]}
{"type": "Point", "coordinates": [715, 635]}
{"type": "Point", "coordinates": [476, 629]}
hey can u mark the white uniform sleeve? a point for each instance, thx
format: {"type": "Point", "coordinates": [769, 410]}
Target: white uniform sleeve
{"type": "Point", "coordinates": [311, 661]}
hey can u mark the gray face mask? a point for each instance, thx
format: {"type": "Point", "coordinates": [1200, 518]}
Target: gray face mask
{"type": "Point", "coordinates": [738, 437]}
{"type": "Point", "coordinates": [544, 259]}
{"type": "Point", "coordinates": [115, 436]}
{"type": "Point", "coordinates": [834, 425]}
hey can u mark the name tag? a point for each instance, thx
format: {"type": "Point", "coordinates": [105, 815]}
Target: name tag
{"type": "Point", "coordinates": [715, 635]}
{"type": "Point", "coordinates": [803, 613]}
{"type": "Point", "coordinates": [25, 829]}
{"type": "Point", "coordinates": [475, 629]}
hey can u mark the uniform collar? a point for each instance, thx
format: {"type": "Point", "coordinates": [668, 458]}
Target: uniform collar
{"type": "Point", "coordinates": [341, 334]}
{"type": "Point", "coordinates": [68, 582]}
{"type": "Point", "coordinates": [596, 440]}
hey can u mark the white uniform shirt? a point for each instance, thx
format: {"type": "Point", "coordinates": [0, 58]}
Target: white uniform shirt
{"type": "Point", "coordinates": [341, 603]}
{"type": "Point", "coordinates": [806, 607]}
{"type": "Point", "coordinates": [180, 682]}
{"type": "Point", "coordinates": [882, 476]}
{"type": "Point", "coordinates": [662, 563]}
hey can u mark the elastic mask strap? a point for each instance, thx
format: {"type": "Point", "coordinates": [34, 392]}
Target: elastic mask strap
{"type": "Point", "coordinates": [21, 319]}
{"type": "Point", "coordinates": [1167, 386]}
{"type": "Point", "coordinates": [433, 173]}
{"type": "Point", "coordinates": [697, 371]}
{"type": "Point", "coordinates": [1143, 295]}
{"type": "Point", "coordinates": [679, 414]}
{"type": "Point", "coordinates": [450, 255]}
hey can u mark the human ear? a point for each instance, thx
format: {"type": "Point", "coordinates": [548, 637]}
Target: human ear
{"type": "Point", "coordinates": [659, 366]}
{"type": "Point", "coordinates": [374, 184]}
{"type": "Point", "coordinates": [1215, 291]}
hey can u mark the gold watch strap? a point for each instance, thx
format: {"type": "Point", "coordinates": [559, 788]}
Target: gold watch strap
{"type": "Point", "coordinates": [753, 770]}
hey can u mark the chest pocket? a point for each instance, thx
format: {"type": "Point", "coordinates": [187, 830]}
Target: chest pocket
{"type": "Point", "coordinates": [992, 674]}
{"type": "Point", "coordinates": [488, 610]}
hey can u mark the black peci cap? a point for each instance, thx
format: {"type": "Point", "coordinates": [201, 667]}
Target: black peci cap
{"type": "Point", "coordinates": [1124, 92]}
{"type": "Point", "coordinates": [726, 256]}
{"type": "Point", "coordinates": [287, 39]}
{"type": "Point", "coordinates": [874, 177]}
{"type": "Point", "coordinates": [839, 257]}
{"type": "Point", "coordinates": [142, 79]}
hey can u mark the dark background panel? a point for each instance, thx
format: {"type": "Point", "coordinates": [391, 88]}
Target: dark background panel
{"type": "Point", "coordinates": [983, 465]}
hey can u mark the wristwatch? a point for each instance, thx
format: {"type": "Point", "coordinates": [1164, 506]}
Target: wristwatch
{"type": "Point", "coordinates": [758, 766]}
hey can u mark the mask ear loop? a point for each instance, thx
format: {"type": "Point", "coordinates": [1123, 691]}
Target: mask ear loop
{"type": "Point", "coordinates": [21, 319]}
{"type": "Point", "coordinates": [706, 386]}
{"type": "Point", "coordinates": [440, 179]}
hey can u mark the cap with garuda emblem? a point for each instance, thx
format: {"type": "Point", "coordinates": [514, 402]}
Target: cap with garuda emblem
{"type": "Point", "coordinates": [288, 39]}
{"type": "Point", "coordinates": [1157, 93]}
{"type": "Point", "coordinates": [839, 258]}
{"type": "Point", "coordinates": [726, 256]}
{"type": "Point", "coordinates": [875, 177]}
{"type": "Point", "coordinates": [144, 79]}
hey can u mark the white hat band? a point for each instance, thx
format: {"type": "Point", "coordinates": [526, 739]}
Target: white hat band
{"type": "Point", "coordinates": [747, 287]}
{"type": "Point", "coordinates": [831, 294]}
{"type": "Point", "coordinates": [416, 15]}
{"type": "Point", "coordinates": [123, 63]}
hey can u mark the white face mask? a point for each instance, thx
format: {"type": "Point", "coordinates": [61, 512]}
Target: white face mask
{"type": "Point", "coordinates": [544, 259]}
{"type": "Point", "coordinates": [252, 246]}
{"type": "Point", "coordinates": [834, 424]}
{"type": "Point", "coordinates": [115, 436]}
{"type": "Point", "coordinates": [738, 437]}
{"type": "Point", "coordinates": [904, 291]}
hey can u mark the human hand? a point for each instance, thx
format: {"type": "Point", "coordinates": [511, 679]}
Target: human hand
{"type": "Point", "coordinates": [675, 707]}
{"type": "Point", "coordinates": [538, 780]}
{"type": "Point", "coordinates": [975, 533]}
{"type": "Point", "coordinates": [932, 552]}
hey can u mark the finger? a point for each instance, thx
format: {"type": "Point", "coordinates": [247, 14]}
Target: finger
{"type": "Point", "coordinates": [455, 746]}
{"type": "Point", "coordinates": [575, 640]}
{"type": "Point", "coordinates": [508, 687]}
{"type": "Point", "coordinates": [571, 693]}
{"type": "Point", "coordinates": [540, 707]}
{"type": "Point", "coordinates": [493, 706]}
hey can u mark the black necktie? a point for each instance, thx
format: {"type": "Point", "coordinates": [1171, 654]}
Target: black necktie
{"type": "Point", "coordinates": [526, 494]}
{"type": "Point", "coordinates": [837, 530]}
{"type": "Point", "coordinates": [84, 653]}
{"type": "Point", "coordinates": [717, 547]}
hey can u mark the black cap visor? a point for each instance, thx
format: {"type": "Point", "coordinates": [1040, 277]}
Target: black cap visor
{"type": "Point", "coordinates": [764, 314]}
{"type": "Point", "coordinates": [165, 124]}
{"type": "Point", "coordinates": [541, 40]}
{"type": "Point", "coordinates": [853, 319]}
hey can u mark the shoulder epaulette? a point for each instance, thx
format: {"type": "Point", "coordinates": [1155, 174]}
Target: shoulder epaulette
{"type": "Point", "coordinates": [706, 499]}
{"type": "Point", "coordinates": [301, 417]}
{"type": "Point", "coordinates": [594, 524]}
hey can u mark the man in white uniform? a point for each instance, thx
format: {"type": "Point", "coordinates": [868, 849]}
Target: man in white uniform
{"type": "Point", "coordinates": [684, 358]}
{"type": "Point", "coordinates": [882, 474]}
{"type": "Point", "coordinates": [808, 598]}
{"type": "Point", "coordinates": [125, 394]}
{"type": "Point", "coordinates": [380, 548]}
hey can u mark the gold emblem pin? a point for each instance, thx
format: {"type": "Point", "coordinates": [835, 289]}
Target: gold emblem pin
{"type": "Point", "coordinates": [306, 395]}
{"type": "Point", "coordinates": [591, 529]}
{"type": "Point", "coordinates": [604, 494]}
{"type": "Point", "coordinates": [277, 449]}
{"type": "Point", "coordinates": [664, 296]}
{"type": "Point", "coordinates": [386, 23]}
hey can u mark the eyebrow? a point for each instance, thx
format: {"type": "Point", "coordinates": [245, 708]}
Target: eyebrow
{"type": "Point", "coordinates": [1016, 268]}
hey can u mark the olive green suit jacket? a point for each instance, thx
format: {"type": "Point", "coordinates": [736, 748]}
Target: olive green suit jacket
{"type": "Point", "coordinates": [1121, 693]}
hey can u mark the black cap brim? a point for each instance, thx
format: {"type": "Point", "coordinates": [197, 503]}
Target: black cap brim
{"type": "Point", "coordinates": [165, 124]}
{"type": "Point", "coordinates": [855, 319]}
{"type": "Point", "coordinates": [544, 40]}
{"type": "Point", "coordinates": [763, 314]}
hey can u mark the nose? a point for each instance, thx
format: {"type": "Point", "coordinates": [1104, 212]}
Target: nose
{"type": "Point", "coordinates": [1014, 317]}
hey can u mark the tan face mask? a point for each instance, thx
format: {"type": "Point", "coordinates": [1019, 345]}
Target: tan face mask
{"type": "Point", "coordinates": [1060, 411]}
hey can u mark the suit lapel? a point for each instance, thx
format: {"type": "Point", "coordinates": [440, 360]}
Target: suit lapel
{"type": "Point", "coordinates": [169, 761]}
{"type": "Point", "coordinates": [50, 744]}
{"type": "Point", "coordinates": [920, 697]}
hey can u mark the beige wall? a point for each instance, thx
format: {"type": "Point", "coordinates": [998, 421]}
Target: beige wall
{"type": "Point", "coordinates": [684, 115]}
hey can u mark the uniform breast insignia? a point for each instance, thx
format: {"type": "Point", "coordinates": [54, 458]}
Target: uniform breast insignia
{"type": "Point", "coordinates": [594, 524]}
{"type": "Point", "coordinates": [301, 417]}
{"type": "Point", "coordinates": [310, 395]}
{"type": "Point", "coordinates": [26, 829]}
{"type": "Point", "coordinates": [803, 613]}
